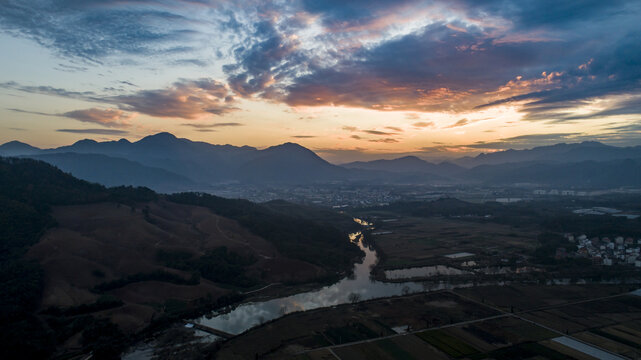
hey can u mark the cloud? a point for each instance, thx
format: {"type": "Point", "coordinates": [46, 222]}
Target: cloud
{"type": "Point", "coordinates": [94, 29]}
{"type": "Point", "coordinates": [459, 123]}
{"type": "Point", "coordinates": [303, 136]}
{"type": "Point", "coordinates": [409, 55]}
{"type": "Point", "coordinates": [105, 117]}
{"type": "Point", "coordinates": [184, 99]}
{"type": "Point", "coordinates": [342, 15]}
{"type": "Point", "coordinates": [95, 131]}
{"type": "Point", "coordinates": [531, 14]}
{"type": "Point", "coordinates": [270, 56]}
{"type": "Point", "coordinates": [30, 112]}
{"type": "Point", "coordinates": [613, 71]}
{"type": "Point", "coordinates": [394, 128]}
{"type": "Point", "coordinates": [350, 128]}
{"type": "Point", "coordinates": [49, 90]}
{"type": "Point", "coordinates": [526, 141]}
{"type": "Point", "coordinates": [377, 132]}
{"type": "Point", "coordinates": [356, 137]}
{"type": "Point", "coordinates": [214, 125]}
{"type": "Point", "coordinates": [385, 140]}
{"type": "Point", "coordinates": [434, 69]}
{"type": "Point", "coordinates": [423, 124]}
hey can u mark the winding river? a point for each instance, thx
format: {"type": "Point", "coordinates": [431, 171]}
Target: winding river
{"type": "Point", "coordinates": [357, 287]}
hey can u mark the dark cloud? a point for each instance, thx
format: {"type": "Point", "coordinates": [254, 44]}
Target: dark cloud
{"type": "Point", "coordinates": [270, 56]}
{"type": "Point", "coordinates": [337, 14]}
{"type": "Point", "coordinates": [94, 29]}
{"type": "Point", "coordinates": [614, 70]}
{"type": "Point", "coordinates": [528, 14]}
{"type": "Point", "coordinates": [303, 136]}
{"type": "Point", "coordinates": [436, 69]}
{"type": "Point", "coordinates": [470, 55]}
{"type": "Point", "coordinates": [633, 127]}
{"type": "Point", "coordinates": [394, 128]}
{"type": "Point", "coordinates": [95, 131]}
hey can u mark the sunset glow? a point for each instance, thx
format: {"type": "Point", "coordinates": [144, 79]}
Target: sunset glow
{"type": "Point", "coordinates": [350, 80]}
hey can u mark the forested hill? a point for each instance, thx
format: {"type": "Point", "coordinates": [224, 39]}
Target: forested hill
{"type": "Point", "coordinates": [28, 189]}
{"type": "Point", "coordinates": [32, 192]}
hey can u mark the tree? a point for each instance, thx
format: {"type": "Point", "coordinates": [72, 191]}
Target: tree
{"type": "Point", "coordinates": [354, 298]}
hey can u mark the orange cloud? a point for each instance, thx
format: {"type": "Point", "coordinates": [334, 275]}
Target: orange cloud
{"type": "Point", "coordinates": [105, 117]}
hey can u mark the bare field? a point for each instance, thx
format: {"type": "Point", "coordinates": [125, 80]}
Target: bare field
{"type": "Point", "coordinates": [505, 337]}
{"type": "Point", "coordinates": [528, 297]}
{"type": "Point", "coordinates": [347, 323]}
{"type": "Point", "coordinates": [501, 338]}
{"type": "Point", "coordinates": [589, 315]}
{"type": "Point", "coordinates": [425, 241]}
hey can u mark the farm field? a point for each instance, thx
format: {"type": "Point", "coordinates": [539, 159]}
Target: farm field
{"type": "Point", "coordinates": [412, 241]}
{"type": "Point", "coordinates": [465, 327]}
{"type": "Point", "coordinates": [454, 325]}
{"type": "Point", "coordinates": [353, 322]}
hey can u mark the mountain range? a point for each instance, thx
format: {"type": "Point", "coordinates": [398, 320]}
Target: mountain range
{"type": "Point", "coordinates": [166, 163]}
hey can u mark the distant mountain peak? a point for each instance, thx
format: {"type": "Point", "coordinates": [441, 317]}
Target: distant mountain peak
{"type": "Point", "coordinates": [15, 148]}
{"type": "Point", "coordinates": [15, 143]}
{"type": "Point", "coordinates": [160, 138]}
{"type": "Point", "coordinates": [290, 147]}
{"type": "Point", "coordinates": [85, 142]}
{"type": "Point", "coordinates": [161, 135]}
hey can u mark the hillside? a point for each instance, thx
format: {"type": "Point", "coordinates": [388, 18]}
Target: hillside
{"type": "Point", "coordinates": [560, 153]}
{"type": "Point", "coordinates": [407, 164]}
{"type": "Point", "coordinates": [84, 266]}
{"type": "Point", "coordinates": [288, 163]}
{"type": "Point", "coordinates": [584, 174]}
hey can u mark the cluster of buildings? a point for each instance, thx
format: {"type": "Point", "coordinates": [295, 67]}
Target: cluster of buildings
{"type": "Point", "coordinates": [605, 251]}
{"type": "Point", "coordinates": [331, 195]}
{"type": "Point", "coordinates": [555, 192]}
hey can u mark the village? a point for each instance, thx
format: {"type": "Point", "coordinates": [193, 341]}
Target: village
{"type": "Point", "coordinates": [604, 251]}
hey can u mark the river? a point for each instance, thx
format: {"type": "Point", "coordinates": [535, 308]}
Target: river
{"type": "Point", "coordinates": [357, 287]}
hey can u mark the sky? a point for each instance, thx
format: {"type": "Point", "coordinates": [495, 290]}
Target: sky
{"type": "Point", "coordinates": [351, 80]}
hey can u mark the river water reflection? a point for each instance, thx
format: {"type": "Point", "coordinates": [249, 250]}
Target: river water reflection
{"type": "Point", "coordinates": [250, 314]}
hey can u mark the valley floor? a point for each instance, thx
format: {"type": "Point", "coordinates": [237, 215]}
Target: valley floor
{"type": "Point", "coordinates": [509, 322]}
